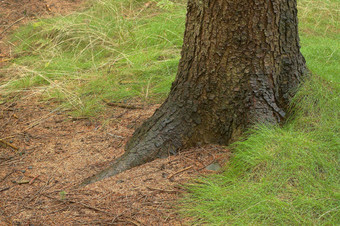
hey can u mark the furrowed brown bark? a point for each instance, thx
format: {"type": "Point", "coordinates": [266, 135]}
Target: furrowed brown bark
{"type": "Point", "coordinates": [240, 65]}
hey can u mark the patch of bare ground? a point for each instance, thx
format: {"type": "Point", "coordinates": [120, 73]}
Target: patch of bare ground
{"type": "Point", "coordinates": [45, 154]}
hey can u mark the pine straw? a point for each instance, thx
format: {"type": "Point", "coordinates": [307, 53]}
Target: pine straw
{"type": "Point", "coordinates": [58, 152]}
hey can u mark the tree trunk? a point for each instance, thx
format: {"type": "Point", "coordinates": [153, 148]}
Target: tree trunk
{"type": "Point", "coordinates": [240, 65]}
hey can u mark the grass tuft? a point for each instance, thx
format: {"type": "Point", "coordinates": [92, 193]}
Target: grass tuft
{"type": "Point", "coordinates": [286, 175]}
{"type": "Point", "coordinates": [116, 50]}
{"type": "Point", "coordinates": [128, 50]}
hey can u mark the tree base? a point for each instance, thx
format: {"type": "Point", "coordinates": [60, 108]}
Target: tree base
{"type": "Point", "coordinates": [240, 65]}
{"type": "Point", "coordinates": [160, 136]}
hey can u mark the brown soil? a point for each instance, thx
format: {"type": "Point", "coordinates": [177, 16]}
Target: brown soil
{"type": "Point", "coordinates": [45, 154]}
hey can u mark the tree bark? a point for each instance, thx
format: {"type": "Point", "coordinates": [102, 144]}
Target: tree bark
{"type": "Point", "coordinates": [240, 65]}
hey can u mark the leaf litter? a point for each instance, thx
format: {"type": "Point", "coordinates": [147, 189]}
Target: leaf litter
{"type": "Point", "coordinates": [45, 154]}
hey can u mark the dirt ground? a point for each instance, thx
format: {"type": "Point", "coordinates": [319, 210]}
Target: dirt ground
{"type": "Point", "coordinates": [45, 154]}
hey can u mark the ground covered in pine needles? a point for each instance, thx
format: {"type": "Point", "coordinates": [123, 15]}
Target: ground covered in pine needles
{"type": "Point", "coordinates": [45, 154]}
{"type": "Point", "coordinates": [73, 88]}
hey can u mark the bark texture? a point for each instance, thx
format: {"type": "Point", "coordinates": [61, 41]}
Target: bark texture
{"type": "Point", "coordinates": [241, 64]}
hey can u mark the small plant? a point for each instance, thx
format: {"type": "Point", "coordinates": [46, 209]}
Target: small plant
{"type": "Point", "coordinates": [165, 4]}
{"type": "Point", "coordinates": [62, 195]}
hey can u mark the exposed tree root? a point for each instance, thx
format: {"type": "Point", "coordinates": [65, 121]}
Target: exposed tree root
{"type": "Point", "coordinates": [224, 83]}
{"type": "Point", "coordinates": [123, 163]}
{"type": "Point", "coordinates": [159, 136]}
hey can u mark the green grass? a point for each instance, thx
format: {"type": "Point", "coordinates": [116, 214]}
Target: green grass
{"type": "Point", "coordinates": [286, 175]}
{"type": "Point", "coordinates": [117, 50]}
{"type": "Point", "coordinates": [120, 50]}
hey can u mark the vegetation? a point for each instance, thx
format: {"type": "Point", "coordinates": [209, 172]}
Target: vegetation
{"type": "Point", "coordinates": [128, 50]}
{"type": "Point", "coordinates": [286, 175]}
{"type": "Point", "coordinates": [116, 50]}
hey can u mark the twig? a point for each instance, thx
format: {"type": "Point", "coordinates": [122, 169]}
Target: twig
{"type": "Point", "coordinates": [82, 204]}
{"type": "Point", "coordinates": [211, 162]}
{"type": "Point", "coordinates": [31, 182]}
{"type": "Point", "coordinates": [37, 122]}
{"type": "Point", "coordinates": [122, 114]}
{"type": "Point", "coordinates": [8, 144]}
{"type": "Point", "coordinates": [58, 210]}
{"type": "Point", "coordinates": [120, 105]}
{"type": "Point", "coordinates": [22, 182]}
{"type": "Point", "coordinates": [113, 135]}
{"type": "Point", "coordinates": [4, 138]}
{"type": "Point", "coordinates": [4, 189]}
{"type": "Point", "coordinates": [161, 190]}
{"type": "Point", "coordinates": [11, 26]}
{"type": "Point", "coordinates": [178, 172]}
{"type": "Point", "coordinates": [79, 118]}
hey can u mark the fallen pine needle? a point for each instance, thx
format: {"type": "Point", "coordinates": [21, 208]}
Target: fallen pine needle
{"type": "Point", "coordinates": [31, 182]}
{"type": "Point", "coordinates": [120, 105]}
{"type": "Point", "coordinates": [4, 189]}
{"type": "Point", "coordinates": [162, 190]}
{"type": "Point", "coordinates": [22, 182]}
{"type": "Point", "coordinates": [9, 145]}
{"type": "Point", "coordinates": [79, 203]}
{"type": "Point", "coordinates": [178, 172]}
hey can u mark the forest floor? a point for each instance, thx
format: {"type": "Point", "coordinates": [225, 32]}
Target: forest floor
{"type": "Point", "coordinates": [45, 154]}
{"type": "Point", "coordinates": [13, 13]}
{"type": "Point", "coordinates": [59, 72]}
